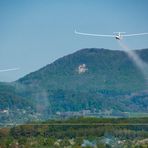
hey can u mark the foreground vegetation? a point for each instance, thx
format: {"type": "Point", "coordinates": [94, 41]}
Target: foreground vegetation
{"type": "Point", "coordinates": [77, 133]}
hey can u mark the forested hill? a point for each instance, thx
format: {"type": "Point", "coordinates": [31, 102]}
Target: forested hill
{"type": "Point", "coordinates": [103, 69]}
{"type": "Point", "coordinates": [87, 79]}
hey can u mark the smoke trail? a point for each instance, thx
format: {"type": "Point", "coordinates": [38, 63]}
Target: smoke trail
{"type": "Point", "coordinates": [12, 69]}
{"type": "Point", "coordinates": [136, 59]}
{"type": "Point", "coordinates": [42, 103]}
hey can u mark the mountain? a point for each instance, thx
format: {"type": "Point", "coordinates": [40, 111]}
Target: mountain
{"type": "Point", "coordinates": [105, 69]}
{"type": "Point", "coordinates": [92, 79]}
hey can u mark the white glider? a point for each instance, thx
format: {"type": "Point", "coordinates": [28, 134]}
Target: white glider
{"type": "Point", "coordinates": [11, 69]}
{"type": "Point", "coordinates": [116, 35]}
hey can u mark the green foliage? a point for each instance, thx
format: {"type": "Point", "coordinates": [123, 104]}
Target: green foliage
{"type": "Point", "coordinates": [63, 133]}
{"type": "Point", "coordinates": [10, 98]}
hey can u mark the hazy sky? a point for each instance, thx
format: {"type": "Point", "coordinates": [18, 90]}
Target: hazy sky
{"type": "Point", "coordinates": [34, 33]}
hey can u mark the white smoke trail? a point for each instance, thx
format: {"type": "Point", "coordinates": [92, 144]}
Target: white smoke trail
{"type": "Point", "coordinates": [136, 59]}
{"type": "Point", "coordinates": [12, 69]}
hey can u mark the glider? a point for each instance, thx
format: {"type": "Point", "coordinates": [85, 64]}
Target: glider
{"type": "Point", "coordinates": [116, 35]}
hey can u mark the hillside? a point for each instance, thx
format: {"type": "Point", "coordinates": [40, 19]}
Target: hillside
{"type": "Point", "coordinates": [89, 79]}
{"type": "Point", "coordinates": [9, 97]}
{"type": "Point", "coordinates": [105, 69]}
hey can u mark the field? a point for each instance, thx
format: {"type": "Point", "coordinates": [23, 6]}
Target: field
{"type": "Point", "coordinates": [77, 133]}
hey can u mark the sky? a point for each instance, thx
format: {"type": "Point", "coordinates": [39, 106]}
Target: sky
{"type": "Point", "coordinates": [34, 33]}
